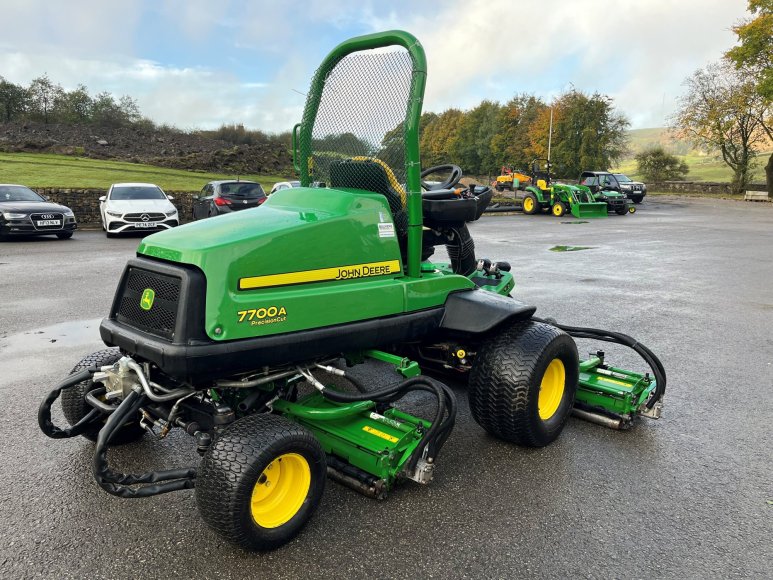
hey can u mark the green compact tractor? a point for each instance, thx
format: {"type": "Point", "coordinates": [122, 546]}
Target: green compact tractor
{"type": "Point", "coordinates": [558, 198]}
{"type": "Point", "coordinates": [240, 330]}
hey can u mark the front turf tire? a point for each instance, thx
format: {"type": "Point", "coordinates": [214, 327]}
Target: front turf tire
{"type": "Point", "coordinates": [231, 486]}
{"type": "Point", "coordinates": [75, 407]}
{"type": "Point", "coordinates": [522, 383]}
{"type": "Point", "coordinates": [530, 204]}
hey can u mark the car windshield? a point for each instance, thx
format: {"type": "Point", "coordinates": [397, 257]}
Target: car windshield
{"type": "Point", "coordinates": [622, 178]}
{"type": "Point", "coordinates": [18, 193]}
{"type": "Point", "coordinates": [241, 189]}
{"type": "Point", "coordinates": [129, 192]}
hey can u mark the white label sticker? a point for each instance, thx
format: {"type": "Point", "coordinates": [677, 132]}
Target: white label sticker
{"type": "Point", "coordinates": [386, 230]}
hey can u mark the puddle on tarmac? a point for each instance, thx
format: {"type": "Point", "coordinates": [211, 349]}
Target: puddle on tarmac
{"type": "Point", "coordinates": [576, 222]}
{"type": "Point", "coordinates": [570, 248]}
{"type": "Point", "coordinates": [65, 334]}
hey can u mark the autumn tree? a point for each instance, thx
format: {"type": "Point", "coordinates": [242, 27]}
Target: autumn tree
{"type": "Point", "coordinates": [439, 136]}
{"type": "Point", "coordinates": [510, 144]}
{"type": "Point", "coordinates": [588, 133]}
{"type": "Point", "coordinates": [472, 149]}
{"type": "Point", "coordinates": [657, 165]}
{"type": "Point", "coordinates": [755, 52]}
{"type": "Point", "coordinates": [754, 57]}
{"type": "Point", "coordinates": [722, 110]}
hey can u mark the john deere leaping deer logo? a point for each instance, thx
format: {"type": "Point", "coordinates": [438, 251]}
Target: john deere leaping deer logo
{"type": "Point", "coordinates": [148, 296]}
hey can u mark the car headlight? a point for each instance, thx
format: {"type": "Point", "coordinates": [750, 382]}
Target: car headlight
{"type": "Point", "coordinates": [69, 213]}
{"type": "Point", "coordinates": [170, 213]}
{"type": "Point", "coordinates": [9, 215]}
{"type": "Point", "coordinates": [114, 213]}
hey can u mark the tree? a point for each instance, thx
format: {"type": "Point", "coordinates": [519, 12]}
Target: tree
{"type": "Point", "coordinates": [75, 106]}
{"type": "Point", "coordinates": [754, 57]}
{"type": "Point", "coordinates": [657, 165]}
{"type": "Point", "coordinates": [44, 94]}
{"type": "Point", "coordinates": [472, 148]}
{"type": "Point", "coordinates": [722, 110]}
{"type": "Point", "coordinates": [755, 53]}
{"type": "Point", "coordinates": [439, 138]}
{"type": "Point", "coordinates": [511, 143]}
{"type": "Point", "coordinates": [587, 133]}
{"type": "Point", "coordinates": [13, 100]}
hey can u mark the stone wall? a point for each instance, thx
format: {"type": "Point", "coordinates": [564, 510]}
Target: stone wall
{"type": "Point", "coordinates": [710, 187]}
{"type": "Point", "coordinates": [85, 202]}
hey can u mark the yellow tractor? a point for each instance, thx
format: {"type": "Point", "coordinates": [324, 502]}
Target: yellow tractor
{"type": "Point", "coordinates": [511, 179]}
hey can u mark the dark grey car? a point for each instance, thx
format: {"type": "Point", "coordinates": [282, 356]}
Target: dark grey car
{"type": "Point", "coordinates": [220, 197]}
{"type": "Point", "coordinates": [26, 213]}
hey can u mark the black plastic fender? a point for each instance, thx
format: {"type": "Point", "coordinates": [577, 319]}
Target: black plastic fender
{"type": "Point", "coordinates": [477, 311]}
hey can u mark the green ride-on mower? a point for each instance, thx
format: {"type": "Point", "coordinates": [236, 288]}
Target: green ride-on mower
{"type": "Point", "coordinates": [558, 198]}
{"type": "Point", "coordinates": [240, 330]}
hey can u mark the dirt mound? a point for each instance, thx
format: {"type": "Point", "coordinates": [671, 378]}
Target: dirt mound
{"type": "Point", "coordinates": [142, 144]}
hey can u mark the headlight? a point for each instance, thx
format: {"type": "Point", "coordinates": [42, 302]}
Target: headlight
{"type": "Point", "coordinates": [114, 213]}
{"type": "Point", "coordinates": [171, 213]}
{"type": "Point", "coordinates": [14, 216]}
{"type": "Point", "coordinates": [68, 212]}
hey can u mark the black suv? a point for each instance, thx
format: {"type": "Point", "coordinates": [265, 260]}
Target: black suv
{"type": "Point", "coordinates": [604, 180]}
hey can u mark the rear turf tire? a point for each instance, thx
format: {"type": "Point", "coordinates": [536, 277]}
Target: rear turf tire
{"type": "Point", "coordinates": [75, 407]}
{"type": "Point", "coordinates": [231, 489]}
{"type": "Point", "coordinates": [523, 382]}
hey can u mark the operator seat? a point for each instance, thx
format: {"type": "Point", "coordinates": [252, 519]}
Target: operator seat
{"type": "Point", "coordinates": [374, 175]}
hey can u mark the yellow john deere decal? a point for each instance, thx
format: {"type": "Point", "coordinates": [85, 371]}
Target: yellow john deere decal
{"type": "Point", "coordinates": [321, 275]}
{"type": "Point", "coordinates": [148, 296]}
{"type": "Point", "coordinates": [381, 434]}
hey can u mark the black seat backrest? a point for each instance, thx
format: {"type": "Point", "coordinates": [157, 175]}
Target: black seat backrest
{"type": "Point", "coordinates": [371, 175]}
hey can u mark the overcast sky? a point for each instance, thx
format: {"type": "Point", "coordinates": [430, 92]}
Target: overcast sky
{"type": "Point", "coordinates": [201, 63]}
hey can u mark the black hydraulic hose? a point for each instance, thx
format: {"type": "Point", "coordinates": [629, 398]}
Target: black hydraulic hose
{"type": "Point", "coordinates": [44, 412]}
{"type": "Point", "coordinates": [658, 371]}
{"type": "Point", "coordinates": [436, 435]}
{"type": "Point", "coordinates": [118, 483]}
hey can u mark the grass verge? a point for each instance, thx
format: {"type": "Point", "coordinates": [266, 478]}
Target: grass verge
{"type": "Point", "coordinates": [64, 171]}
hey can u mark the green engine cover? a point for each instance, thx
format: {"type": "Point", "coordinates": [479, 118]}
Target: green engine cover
{"type": "Point", "coordinates": [306, 258]}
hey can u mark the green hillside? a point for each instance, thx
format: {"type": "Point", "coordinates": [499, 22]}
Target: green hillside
{"type": "Point", "coordinates": [47, 170]}
{"type": "Point", "coordinates": [703, 166]}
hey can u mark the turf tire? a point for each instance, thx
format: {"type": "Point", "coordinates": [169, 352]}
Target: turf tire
{"type": "Point", "coordinates": [505, 382]}
{"type": "Point", "coordinates": [75, 407]}
{"type": "Point", "coordinates": [230, 471]}
{"type": "Point", "coordinates": [535, 207]}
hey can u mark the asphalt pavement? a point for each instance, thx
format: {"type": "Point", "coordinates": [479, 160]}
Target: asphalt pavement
{"type": "Point", "coordinates": [688, 496]}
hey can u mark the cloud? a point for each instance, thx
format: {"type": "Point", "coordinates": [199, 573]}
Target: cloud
{"type": "Point", "coordinates": [237, 61]}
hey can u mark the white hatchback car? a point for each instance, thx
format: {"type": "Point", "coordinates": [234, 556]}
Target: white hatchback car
{"type": "Point", "coordinates": [136, 207]}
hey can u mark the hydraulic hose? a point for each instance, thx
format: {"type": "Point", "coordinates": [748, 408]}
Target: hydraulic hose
{"type": "Point", "coordinates": [118, 483]}
{"type": "Point", "coordinates": [436, 435]}
{"type": "Point", "coordinates": [658, 371]}
{"type": "Point", "coordinates": [44, 412]}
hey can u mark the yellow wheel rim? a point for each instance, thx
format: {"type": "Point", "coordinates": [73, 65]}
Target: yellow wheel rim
{"type": "Point", "coordinates": [280, 491]}
{"type": "Point", "coordinates": [558, 210]}
{"type": "Point", "coordinates": [528, 204]}
{"type": "Point", "coordinates": [551, 390]}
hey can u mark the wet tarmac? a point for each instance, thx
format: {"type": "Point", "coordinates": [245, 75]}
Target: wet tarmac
{"type": "Point", "coordinates": [688, 496]}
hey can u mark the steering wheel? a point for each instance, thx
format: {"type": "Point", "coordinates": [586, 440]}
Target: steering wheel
{"type": "Point", "coordinates": [454, 177]}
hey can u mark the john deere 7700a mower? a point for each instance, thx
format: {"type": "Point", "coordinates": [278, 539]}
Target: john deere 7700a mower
{"type": "Point", "coordinates": [219, 326]}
